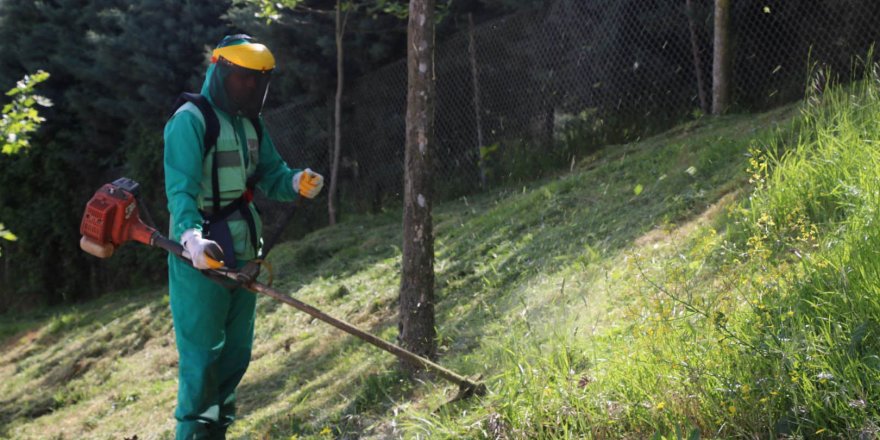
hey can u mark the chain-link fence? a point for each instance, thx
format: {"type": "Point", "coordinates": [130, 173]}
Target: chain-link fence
{"type": "Point", "coordinates": [538, 88]}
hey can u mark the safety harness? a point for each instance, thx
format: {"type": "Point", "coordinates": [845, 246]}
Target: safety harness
{"type": "Point", "coordinates": [241, 204]}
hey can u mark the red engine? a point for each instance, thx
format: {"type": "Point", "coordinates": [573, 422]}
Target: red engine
{"type": "Point", "coordinates": [112, 218]}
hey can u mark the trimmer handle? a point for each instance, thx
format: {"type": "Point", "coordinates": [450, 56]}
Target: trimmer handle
{"type": "Point", "coordinates": [214, 253]}
{"type": "Point", "coordinates": [169, 245]}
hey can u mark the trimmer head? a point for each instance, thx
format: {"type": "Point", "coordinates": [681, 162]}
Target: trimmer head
{"type": "Point", "coordinates": [472, 386]}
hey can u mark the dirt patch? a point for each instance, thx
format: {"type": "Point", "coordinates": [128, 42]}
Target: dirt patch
{"type": "Point", "coordinates": [32, 408]}
{"type": "Point", "coordinates": [72, 367]}
{"type": "Point", "coordinates": [659, 235]}
{"type": "Point", "coordinates": [22, 338]}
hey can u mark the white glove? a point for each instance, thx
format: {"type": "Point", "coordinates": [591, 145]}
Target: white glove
{"type": "Point", "coordinates": [308, 183]}
{"type": "Point", "coordinates": [204, 254]}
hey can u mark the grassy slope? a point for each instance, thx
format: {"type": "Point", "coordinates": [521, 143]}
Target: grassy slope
{"type": "Point", "coordinates": [548, 264]}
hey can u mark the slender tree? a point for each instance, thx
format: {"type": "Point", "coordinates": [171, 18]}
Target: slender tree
{"type": "Point", "coordinates": [478, 111]}
{"type": "Point", "coordinates": [696, 52]}
{"type": "Point", "coordinates": [343, 9]}
{"type": "Point", "coordinates": [341, 19]}
{"type": "Point", "coordinates": [721, 58]}
{"type": "Point", "coordinates": [417, 331]}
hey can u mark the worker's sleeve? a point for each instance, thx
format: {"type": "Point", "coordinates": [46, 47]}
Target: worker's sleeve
{"type": "Point", "coordinates": [276, 181]}
{"type": "Point", "coordinates": [184, 134]}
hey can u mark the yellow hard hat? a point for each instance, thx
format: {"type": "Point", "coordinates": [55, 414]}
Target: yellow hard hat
{"type": "Point", "coordinates": [239, 50]}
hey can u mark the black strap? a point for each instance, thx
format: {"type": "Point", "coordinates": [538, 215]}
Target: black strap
{"type": "Point", "coordinates": [212, 124]}
{"type": "Point", "coordinates": [215, 185]}
{"type": "Point", "coordinates": [212, 132]}
{"type": "Point", "coordinates": [242, 205]}
{"type": "Point", "coordinates": [258, 127]}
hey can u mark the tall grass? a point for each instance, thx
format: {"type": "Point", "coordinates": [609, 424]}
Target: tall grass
{"type": "Point", "coordinates": [814, 217]}
{"type": "Point", "coordinates": [763, 324]}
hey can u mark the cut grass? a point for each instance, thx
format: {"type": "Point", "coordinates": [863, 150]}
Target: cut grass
{"type": "Point", "coordinates": [536, 285]}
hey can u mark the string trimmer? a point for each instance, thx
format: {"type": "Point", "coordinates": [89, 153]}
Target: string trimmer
{"type": "Point", "coordinates": [112, 218]}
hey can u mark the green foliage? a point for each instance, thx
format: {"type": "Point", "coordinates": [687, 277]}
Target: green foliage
{"type": "Point", "coordinates": [106, 123]}
{"type": "Point", "coordinates": [392, 7]}
{"type": "Point", "coordinates": [270, 10]}
{"type": "Point", "coordinates": [6, 234]}
{"type": "Point", "coordinates": [810, 236]}
{"type": "Point", "coordinates": [20, 118]}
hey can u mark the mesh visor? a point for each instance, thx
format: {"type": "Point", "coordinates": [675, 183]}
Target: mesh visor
{"type": "Point", "coordinates": [244, 89]}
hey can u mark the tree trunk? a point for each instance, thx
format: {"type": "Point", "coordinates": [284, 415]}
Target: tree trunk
{"type": "Point", "coordinates": [331, 148]}
{"type": "Point", "coordinates": [478, 117]}
{"type": "Point", "coordinates": [417, 332]}
{"type": "Point", "coordinates": [721, 58]}
{"type": "Point", "coordinates": [5, 291]}
{"type": "Point", "coordinates": [337, 113]}
{"type": "Point", "coordinates": [698, 63]}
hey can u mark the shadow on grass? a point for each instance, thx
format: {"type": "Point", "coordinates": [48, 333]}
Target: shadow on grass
{"type": "Point", "coordinates": [70, 344]}
{"type": "Point", "coordinates": [313, 376]}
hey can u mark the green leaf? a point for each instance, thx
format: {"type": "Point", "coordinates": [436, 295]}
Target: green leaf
{"type": "Point", "coordinates": [6, 234]}
{"type": "Point", "coordinates": [43, 101]}
{"type": "Point", "coordinates": [638, 189]}
{"type": "Point", "coordinates": [487, 151]}
{"type": "Point", "coordinates": [19, 117]}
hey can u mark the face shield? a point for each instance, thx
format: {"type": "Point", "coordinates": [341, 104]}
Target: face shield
{"type": "Point", "coordinates": [239, 90]}
{"type": "Point", "coordinates": [239, 79]}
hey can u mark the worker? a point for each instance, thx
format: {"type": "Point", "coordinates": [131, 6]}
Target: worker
{"type": "Point", "coordinates": [209, 181]}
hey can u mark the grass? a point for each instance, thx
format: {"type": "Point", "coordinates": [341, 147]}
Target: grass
{"type": "Point", "coordinates": [650, 291]}
{"type": "Point", "coordinates": [760, 322]}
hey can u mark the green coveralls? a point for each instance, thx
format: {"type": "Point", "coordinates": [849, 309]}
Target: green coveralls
{"type": "Point", "coordinates": [213, 326]}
